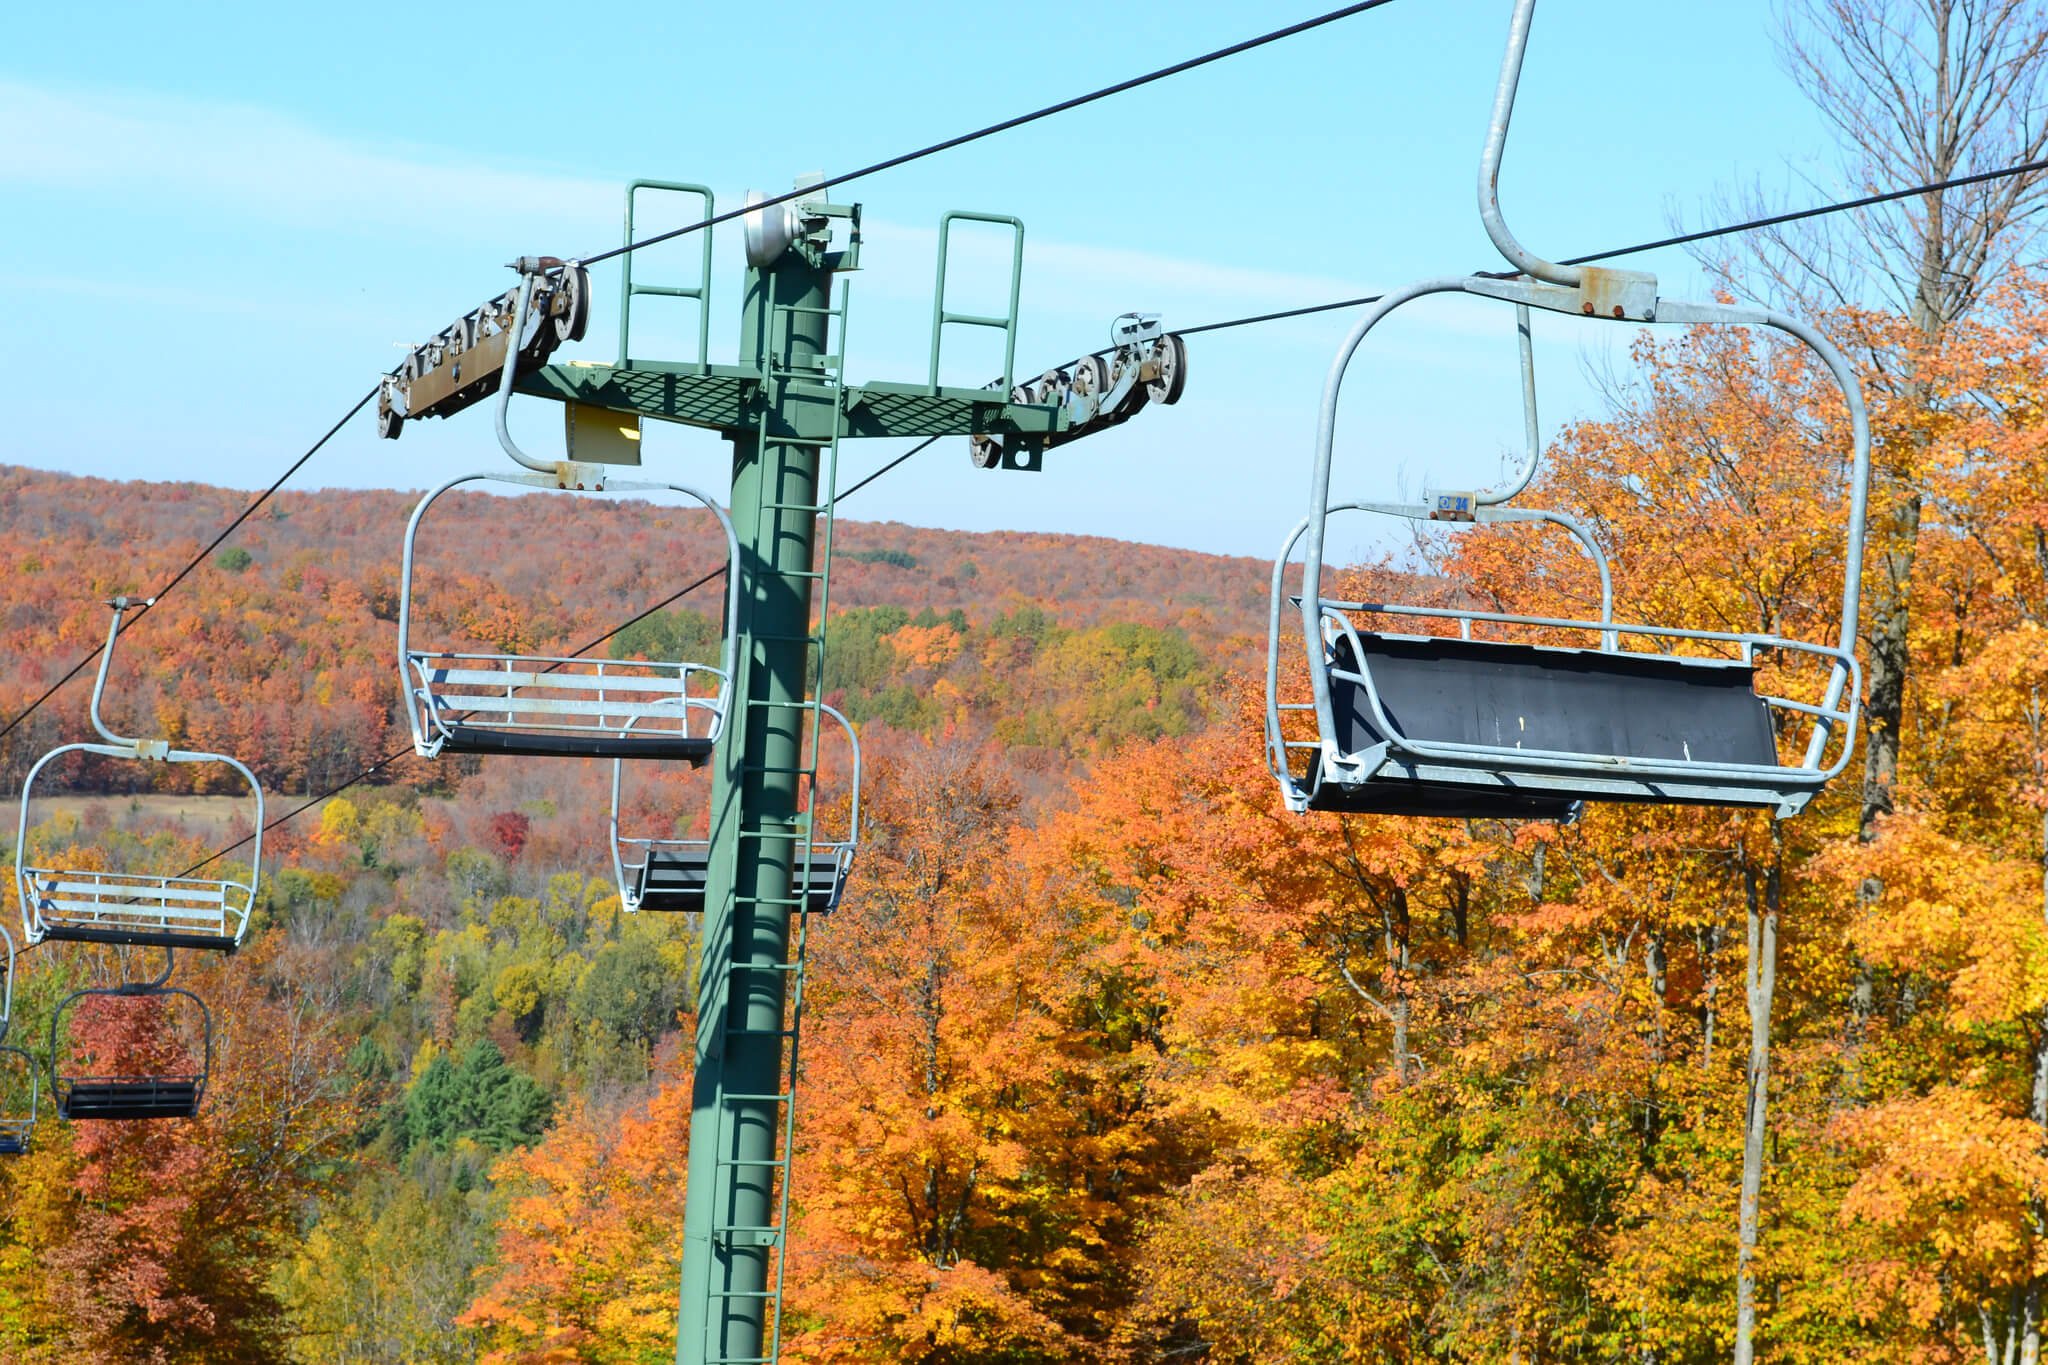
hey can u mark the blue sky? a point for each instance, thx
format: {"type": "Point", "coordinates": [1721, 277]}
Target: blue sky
{"type": "Point", "coordinates": [224, 221]}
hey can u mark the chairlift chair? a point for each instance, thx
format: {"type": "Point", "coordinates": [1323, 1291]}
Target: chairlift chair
{"type": "Point", "coordinates": [170, 1095]}
{"type": "Point", "coordinates": [556, 706]}
{"type": "Point", "coordinates": [16, 1128]}
{"type": "Point", "coordinates": [136, 908]}
{"type": "Point", "coordinates": [672, 875]}
{"type": "Point", "coordinates": [1427, 724]}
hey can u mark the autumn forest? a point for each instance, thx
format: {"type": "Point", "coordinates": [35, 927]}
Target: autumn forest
{"type": "Point", "coordinates": [1108, 1059]}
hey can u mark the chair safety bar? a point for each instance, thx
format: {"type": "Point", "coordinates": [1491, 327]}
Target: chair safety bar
{"type": "Point", "coordinates": [560, 704]}
{"type": "Point", "coordinates": [631, 855]}
{"type": "Point", "coordinates": [7, 998]}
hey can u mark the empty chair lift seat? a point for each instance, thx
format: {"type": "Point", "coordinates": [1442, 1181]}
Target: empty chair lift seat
{"type": "Point", "coordinates": [565, 708]}
{"type": "Point", "coordinates": [674, 880]}
{"type": "Point", "coordinates": [13, 1144]}
{"type": "Point", "coordinates": [462, 701]}
{"type": "Point", "coordinates": [130, 1097]}
{"type": "Point", "coordinates": [156, 912]}
{"type": "Point", "coordinates": [1602, 706]}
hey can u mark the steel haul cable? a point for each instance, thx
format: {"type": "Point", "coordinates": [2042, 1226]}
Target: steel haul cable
{"type": "Point", "coordinates": [197, 559]}
{"type": "Point", "coordinates": [890, 163]}
{"type": "Point", "coordinates": [1682, 239]}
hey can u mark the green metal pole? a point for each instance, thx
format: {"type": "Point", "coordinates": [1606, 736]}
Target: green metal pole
{"type": "Point", "coordinates": [728, 1256]}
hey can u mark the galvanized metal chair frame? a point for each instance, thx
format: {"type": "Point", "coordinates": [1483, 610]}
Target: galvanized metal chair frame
{"type": "Point", "coordinates": [15, 1130]}
{"type": "Point", "coordinates": [556, 705]}
{"type": "Point", "coordinates": [18, 1131]}
{"type": "Point", "coordinates": [1337, 650]}
{"type": "Point", "coordinates": [559, 705]}
{"type": "Point", "coordinates": [171, 1095]}
{"type": "Point", "coordinates": [82, 906]}
{"type": "Point", "coordinates": [631, 854]}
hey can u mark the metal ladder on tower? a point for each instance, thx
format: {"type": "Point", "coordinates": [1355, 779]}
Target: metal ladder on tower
{"type": "Point", "coordinates": [827, 374]}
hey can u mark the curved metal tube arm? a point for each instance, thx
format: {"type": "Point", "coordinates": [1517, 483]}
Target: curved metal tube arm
{"type": "Point", "coordinates": [7, 1001]}
{"type": "Point", "coordinates": [1532, 433]}
{"type": "Point", "coordinates": [510, 372]}
{"type": "Point", "coordinates": [99, 684]}
{"type": "Point", "coordinates": [852, 738]}
{"type": "Point", "coordinates": [1523, 259]}
{"type": "Point", "coordinates": [35, 1087]}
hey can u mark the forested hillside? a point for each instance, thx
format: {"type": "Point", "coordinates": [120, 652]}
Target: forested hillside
{"type": "Point", "coordinates": [1108, 1057]}
{"type": "Point", "coordinates": [282, 647]}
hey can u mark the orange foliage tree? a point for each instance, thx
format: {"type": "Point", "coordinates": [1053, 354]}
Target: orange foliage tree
{"type": "Point", "coordinates": [157, 1240]}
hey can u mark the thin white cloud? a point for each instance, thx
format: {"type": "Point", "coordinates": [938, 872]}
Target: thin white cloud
{"type": "Point", "coordinates": [179, 301]}
{"type": "Point", "coordinates": [244, 164]}
{"type": "Point", "coordinates": [981, 254]}
{"type": "Point", "coordinates": [250, 164]}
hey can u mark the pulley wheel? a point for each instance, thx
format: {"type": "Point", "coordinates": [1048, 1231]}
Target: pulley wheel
{"type": "Point", "coordinates": [1171, 356]}
{"type": "Point", "coordinates": [388, 422]}
{"type": "Point", "coordinates": [1091, 376]}
{"type": "Point", "coordinates": [572, 306]}
{"type": "Point", "coordinates": [985, 451]}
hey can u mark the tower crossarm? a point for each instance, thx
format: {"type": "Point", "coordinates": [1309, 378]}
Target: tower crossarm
{"type": "Point", "coordinates": [729, 398]}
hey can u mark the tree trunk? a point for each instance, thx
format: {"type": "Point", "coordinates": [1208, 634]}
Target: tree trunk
{"type": "Point", "coordinates": [2018, 1337]}
{"type": "Point", "coordinates": [1762, 980]}
{"type": "Point", "coordinates": [1394, 931]}
{"type": "Point", "coordinates": [1891, 622]}
{"type": "Point", "coordinates": [2022, 1334]}
{"type": "Point", "coordinates": [1709, 941]}
{"type": "Point", "coordinates": [1655, 965]}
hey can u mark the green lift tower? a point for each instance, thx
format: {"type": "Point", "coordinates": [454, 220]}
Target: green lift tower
{"type": "Point", "coordinates": [785, 407]}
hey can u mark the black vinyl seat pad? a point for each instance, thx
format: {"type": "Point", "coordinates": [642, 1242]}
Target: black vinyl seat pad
{"type": "Point", "coordinates": [483, 739]}
{"type": "Point", "coordinates": [145, 938]}
{"type": "Point", "coordinates": [1393, 794]}
{"type": "Point", "coordinates": [676, 880]}
{"type": "Point", "coordinates": [1577, 701]}
{"type": "Point", "coordinates": [10, 1145]}
{"type": "Point", "coordinates": [130, 1097]}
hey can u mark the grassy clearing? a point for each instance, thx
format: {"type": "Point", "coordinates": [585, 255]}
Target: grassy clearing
{"type": "Point", "coordinates": [201, 815]}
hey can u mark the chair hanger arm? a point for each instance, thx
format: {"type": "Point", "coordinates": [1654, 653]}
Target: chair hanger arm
{"type": "Point", "coordinates": [1523, 259]}
{"type": "Point", "coordinates": [509, 372]}
{"type": "Point", "coordinates": [99, 685]}
{"type": "Point", "coordinates": [853, 813]}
